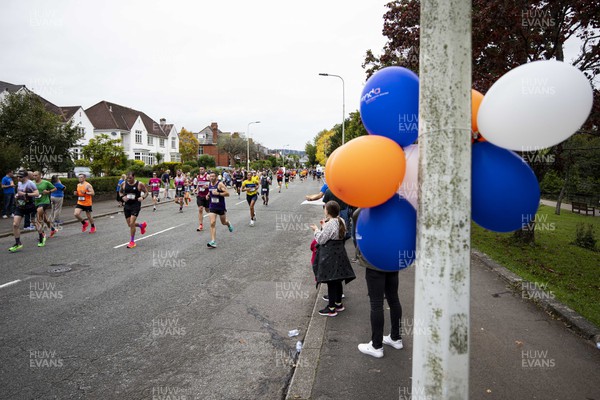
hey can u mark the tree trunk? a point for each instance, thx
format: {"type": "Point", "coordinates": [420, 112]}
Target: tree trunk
{"type": "Point", "coordinates": [563, 190]}
{"type": "Point", "coordinates": [526, 235]}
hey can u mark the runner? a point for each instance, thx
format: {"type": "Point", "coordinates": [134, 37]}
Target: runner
{"type": "Point", "coordinates": [250, 186]}
{"type": "Point", "coordinates": [280, 174]}
{"type": "Point", "coordinates": [42, 204]}
{"type": "Point", "coordinates": [166, 179]}
{"type": "Point", "coordinates": [133, 192]}
{"type": "Point", "coordinates": [154, 183]}
{"type": "Point", "coordinates": [26, 192]}
{"type": "Point", "coordinates": [202, 182]}
{"type": "Point", "coordinates": [287, 178]}
{"type": "Point", "coordinates": [179, 188]}
{"type": "Point", "coordinates": [265, 181]}
{"type": "Point", "coordinates": [238, 178]}
{"type": "Point", "coordinates": [187, 188]}
{"type": "Point", "coordinates": [84, 194]}
{"type": "Point", "coordinates": [217, 193]}
{"type": "Point", "coordinates": [119, 183]}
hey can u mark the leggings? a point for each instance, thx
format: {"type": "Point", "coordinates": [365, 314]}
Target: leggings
{"type": "Point", "coordinates": [378, 284]}
{"type": "Point", "coordinates": [335, 291]}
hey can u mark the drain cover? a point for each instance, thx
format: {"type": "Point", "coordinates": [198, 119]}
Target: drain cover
{"type": "Point", "coordinates": [59, 269]}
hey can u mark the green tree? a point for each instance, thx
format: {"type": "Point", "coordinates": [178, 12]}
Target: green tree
{"type": "Point", "coordinates": [158, 156]}
{"type": "Point", "coordinates": [42, 139]}
{"type": "Point", "coordinates": [104, 154]}
{"type": "Point", "coordinates": [353, 129]}
{"type": "Point", "coordinates": [311, 152]}
{"type": "Point", "coordinates": [10, 156]}
{"type": "Point", "coordinates": [233, 146]}
{"type": "Point", "coordinates": [188, 145]}
{"type": "Point", "coordinates": [206, 161]}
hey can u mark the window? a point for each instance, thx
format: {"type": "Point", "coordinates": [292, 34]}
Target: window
{"type": "Point", "coordinates": [137, 156]}
{"type": "Point", "coordinates": [138, 137]}
{"type": "Point", "coordinates": [200, 150]}
{"type": "Point", "coordinates": [150, 141]}
{"type": "Point", "coordinates": [162, 142]}
{"type": "Point", "coordinates": [173, 142]}
{"type": "Point", "coordinates": [77, 153]}
{"type": "Point", "coordinates": [81, 130]}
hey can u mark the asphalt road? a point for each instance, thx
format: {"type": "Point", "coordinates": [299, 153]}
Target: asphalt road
{"type": "Point", "coordinates": [168, 319]}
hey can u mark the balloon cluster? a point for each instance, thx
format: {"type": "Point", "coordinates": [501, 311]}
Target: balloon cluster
{"type": "Point", "coordinates": [532, 107]}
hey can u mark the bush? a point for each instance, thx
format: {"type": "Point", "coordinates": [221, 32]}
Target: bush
{"type": "Point", "coordinates": [172, 166]}
{"type": "Point", "coordinates": [551, 183]}
{"type": "Point", "coordinates": [194, 171]}
{"type": "Point", "coordinates": [191, 163]}
{"type": "Point", "coordinates": [206, 161]}
{"type": "Point", "coordinates": [186, 168]}
{"type": "Point", "coordinates": [103, 184]}
{"type": "Point", "coordinates": [585, 236]}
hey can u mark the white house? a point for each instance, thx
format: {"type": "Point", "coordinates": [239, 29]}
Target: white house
{"type": "Point", "coordinates": [141, 136]}
{"type": "Point", "coordinates": [80, 120]}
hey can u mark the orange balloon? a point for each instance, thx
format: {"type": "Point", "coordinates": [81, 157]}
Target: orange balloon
{"type": "Point", "coordinates": [366, 171]}
{"type": "Point", "coordinates": [476, 98]}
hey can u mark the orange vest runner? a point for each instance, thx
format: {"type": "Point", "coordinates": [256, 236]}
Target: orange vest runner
{"type": "Point", "coordinates": [83, 199]}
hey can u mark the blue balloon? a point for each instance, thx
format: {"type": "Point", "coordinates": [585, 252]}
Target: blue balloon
{"type": "Point", "coordinates": [387, 234]}
{"type": "Point", "coordinates": [505, 192]}
{"type": "Point", "coordinates": [389, 105]}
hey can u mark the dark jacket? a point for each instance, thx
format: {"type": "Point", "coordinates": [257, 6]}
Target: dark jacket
{"type": "Point", "coordinates": [332, 263]}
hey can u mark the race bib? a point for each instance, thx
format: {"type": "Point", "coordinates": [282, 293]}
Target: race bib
{"type": "Point", "coordinates": [81, 198]}
{"type": "Point", "coordinates": [131, 196]}
{"type": "Point", "coordinates": [214, 200]}
{"type": "Point", "coordinates": [265, 190]}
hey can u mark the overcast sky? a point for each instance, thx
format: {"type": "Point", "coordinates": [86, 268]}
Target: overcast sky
{"type": "Point", "coordinates": [197, 62]}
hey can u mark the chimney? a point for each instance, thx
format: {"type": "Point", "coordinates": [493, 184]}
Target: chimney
{"type": "Point", "coordinates": [215, 131]}
{"type": "Point", "coordinates": [163, 122]}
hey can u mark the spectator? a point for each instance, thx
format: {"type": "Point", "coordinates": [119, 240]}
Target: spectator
{"type": "Point", "coordinates": [119, 183]}
{"type": "Point", "coordinates": [8, 189]}
{"type": "Point", "coordinates": [57, 198]}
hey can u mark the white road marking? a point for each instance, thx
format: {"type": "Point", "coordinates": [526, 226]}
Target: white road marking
{"type": "Point", "coordinates": [147, 236]}
{"type": "Point", "coordinates": [9, 283]}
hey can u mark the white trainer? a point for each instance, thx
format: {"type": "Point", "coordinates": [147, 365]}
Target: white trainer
{"type": "Point", "coordinates": [367, 348]}
{"type": "Point", "coordinates": [397, 344]}
{"type": "Point", "coordinates": [251, 223]}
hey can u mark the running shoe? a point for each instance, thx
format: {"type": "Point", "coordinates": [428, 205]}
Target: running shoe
{"type": "Point", "coordinates": [154, 209]}
{"type": "Point", "coordinates": [42, 242]}
{"type": "Point", "coordinates": [53, 232]}
{"type": "Point", "coordinates": [339, 307]}
{"type": "Point", "coordinates": [230, 227]}
{"type": "Point", "coordinates": [16, 247]}
{"type": "Point", "coordinates": [251, 222]}
{"type": "Point", "coordinates": [200, 228]}
{"type": "Point", "coordinates": [131, 245]}
{"type": "Point", "coordinates": [93, 230]}
{"type": "Point", "coordinates": [328, 312]}
{"type": "Point", "coordinates": [143, 228]}
{"type": "Point", "coordinates": [212, 244]}
{"type": "Point", "coordinates": [84, 226]}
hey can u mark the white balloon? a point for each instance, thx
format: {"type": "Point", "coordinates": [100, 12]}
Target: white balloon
{"type": "Point", "coordinates": [409, 189]}
{"type": "Point", "coordinates": [535, 106]}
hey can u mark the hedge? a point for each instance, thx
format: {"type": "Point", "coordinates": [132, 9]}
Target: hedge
{"type": "Point", "coordinates": [105, 184]}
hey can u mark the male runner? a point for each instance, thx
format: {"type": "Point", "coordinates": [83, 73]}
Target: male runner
{"type": "Point", "coordinates": [42, 204]}
{"type": "Point", "coordinates": [238, 178]}
{"type": "Point", "coordinates": [202, 182]}
{"type": "Point", "coordinates": [133, 192]}
{"type": "Point", "coordinates": [179, 188]}
{"type": "Point", "coordinates": [217, 191]}
{"type": "Point", "coordinates": [154, 183]}
{"type": "Point", "coordinates": [26, 192]}
{"type": "Point", "coordinates": [265, 181]}
{"type": "Point", "coordinates": [287, 178]}
{"type": "Point", "coordinates": [84, 194]}
{"type": "Point", "coordinates": [280, 174]}
{"type": "Point", "coordinates": [250, 186]}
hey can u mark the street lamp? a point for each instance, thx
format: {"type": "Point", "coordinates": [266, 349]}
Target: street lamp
{"type": "Point", "coordinates": [248, 145]}
{"type": "Point", "coordinates": [343, 103]}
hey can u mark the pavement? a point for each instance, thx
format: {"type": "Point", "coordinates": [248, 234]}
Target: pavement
{"type": "Point", "coordinates": [228, 312]}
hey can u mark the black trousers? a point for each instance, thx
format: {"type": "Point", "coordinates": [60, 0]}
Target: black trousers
{"type": "Point", "coordinates": [335, 291]}
{"type": "Point", "coordinates": [378, 284]}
